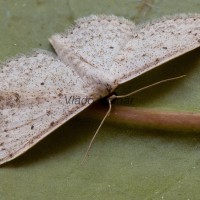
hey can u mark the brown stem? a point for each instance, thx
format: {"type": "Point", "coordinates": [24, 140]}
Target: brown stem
{"type": "Point", "coordinates": [149, 118]}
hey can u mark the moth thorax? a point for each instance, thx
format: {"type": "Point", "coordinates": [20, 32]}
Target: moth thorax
{"type": "Point", "coordinates": [102, 86]}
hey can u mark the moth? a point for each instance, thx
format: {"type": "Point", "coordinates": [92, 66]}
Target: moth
{"type": "Point", "coordinates": [93, 57]}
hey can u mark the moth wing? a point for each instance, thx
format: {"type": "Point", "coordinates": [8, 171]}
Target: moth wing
{"type": "Point", "coordinates": [33, 92]}
{"type": "Point", "coordinates": [118, 50]}
{"type": "Point", "coordinates": [156, 43]}
{"type": "Point", "coordinates": [94, 41]}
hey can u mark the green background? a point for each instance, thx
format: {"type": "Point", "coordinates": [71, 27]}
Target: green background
{"type": "Point", "coordinates": [125, 162]}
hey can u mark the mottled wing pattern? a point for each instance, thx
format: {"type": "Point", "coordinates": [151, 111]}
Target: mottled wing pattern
{"type": "Point", "coordinates": [119, 50]}
{"type": "Point", "coordinates": [98, 53]}
{"type": "Point", "coordinates": [94, 42]}
{"type": "Point", "coordinates": [33, 92]}
{"type": "Point", "coordinates": [156, 43]}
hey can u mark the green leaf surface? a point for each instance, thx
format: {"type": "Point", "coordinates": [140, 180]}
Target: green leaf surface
{"type": "Point", "coordinates": [124, 162]}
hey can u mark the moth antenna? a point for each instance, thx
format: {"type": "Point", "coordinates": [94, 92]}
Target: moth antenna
{"type": "Point", "coordinates": [111, 98]}
{"type": "Point", "coordinates": [149, 86]}
{"type": "Point", "coordinates": [97, 131]}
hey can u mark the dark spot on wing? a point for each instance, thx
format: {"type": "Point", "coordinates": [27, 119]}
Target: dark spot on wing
{"type": "Point", "coordinates": [17, 97]}
{"type": "Point", "coordinates": [60, 94]}
{"type": "Point", "coordinates": [52, 123]}
{"type": "Point", "coordinates": [48, 112]}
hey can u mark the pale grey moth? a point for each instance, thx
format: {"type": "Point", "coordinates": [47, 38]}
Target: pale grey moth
{"type": "Point", "coordinates": [95, 56]}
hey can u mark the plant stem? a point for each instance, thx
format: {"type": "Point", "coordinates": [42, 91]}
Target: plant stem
{"type": "Point", "coordinates": [148, 118]}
